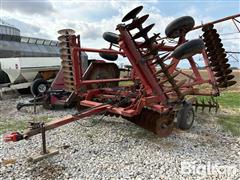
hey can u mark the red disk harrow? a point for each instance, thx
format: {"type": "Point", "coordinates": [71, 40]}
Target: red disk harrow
{"type": "Point", "coordinates": [158, 88]}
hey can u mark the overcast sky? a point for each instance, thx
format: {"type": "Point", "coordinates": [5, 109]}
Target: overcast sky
{"type": "Point", "coordinates": [43, 18]}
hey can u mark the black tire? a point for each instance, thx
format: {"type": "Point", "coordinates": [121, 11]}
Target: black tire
{"type": "Point", "coordinates": [109, 57]}
{"type": "Point", "coordinates": [111, 37]}
{"type": "Point", "coordinates": [4, 77]}
{"type": "Point", "coordinates": [179, 26]}
{"type": "Point", "coordinates": [189, 49]}
{"type": "Point", "coordinates": [185, 116]}
{"type": "Point", "coordinates": [39, 86]}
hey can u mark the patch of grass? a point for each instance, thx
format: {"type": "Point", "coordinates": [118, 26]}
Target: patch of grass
{"type": "Point", "coordinates": [10, 125]}
{"type": "Point", "coordinates": [13, 125]}
{"type": "Point", "coordinates": [230, 123]}
{"type": "Point", "coordinates": [125, 83]}
{"type": "Point", "coordinates": [42, 118]}
{"type": "Point", "coordinates": [226, 99]}
{"type": "Point", "coordinates": [230, 103]}
{"type": "Point", "coordinates": [229, 100]}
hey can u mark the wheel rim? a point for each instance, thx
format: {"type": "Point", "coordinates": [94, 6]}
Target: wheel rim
{"type": "Point", "coordinates": [42, 88]}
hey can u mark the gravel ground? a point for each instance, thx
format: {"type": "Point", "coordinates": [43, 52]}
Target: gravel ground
{"type": "Point", "coordinates": [118, 149]}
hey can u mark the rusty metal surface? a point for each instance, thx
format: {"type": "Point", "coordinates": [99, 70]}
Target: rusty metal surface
{"type": "Point", "coordinates": [217, 57]}
{"type": "Point", "coordinates": [65, 55]}
{"type": "Point", "coordinates": [160, 124]}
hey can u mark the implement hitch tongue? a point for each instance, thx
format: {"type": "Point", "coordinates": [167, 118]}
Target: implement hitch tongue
{"type": "Point", "coordinates": [16, 136]}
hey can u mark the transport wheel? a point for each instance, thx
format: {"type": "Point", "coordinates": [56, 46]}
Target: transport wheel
{"type": "Point", "coordinates": [111, 37]}
{"type": "Point", "coordinates": [39, 86]}
{"type": "Point", "coordinates": [188, 49]}
{"type": "Point", "coordinates": [179, 26]}
{"type": "Point", "coordinates": [4, 77]}
{"type": "Point", "coordinates": [107, 56]}
{"type": "Point", "coordinates": [185, 117]}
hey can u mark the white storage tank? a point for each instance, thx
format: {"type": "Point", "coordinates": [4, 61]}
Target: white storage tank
{"type": "Point", "coordinates": [23, 59]}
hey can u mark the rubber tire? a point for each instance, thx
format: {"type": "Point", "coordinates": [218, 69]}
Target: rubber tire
{"type": "Point", "coordinates": [183, 24]}
{"type": "Point", "coordinates": [35, 85]}
{"type": "Point", "coordinates": [182, 115]}
{"type": "Point", "coordinates": [188, 49]}
{"type": "Point", "coordinates": [111, 37]}
{"type": "Point", "coordinates": [4, 77]}
{"type": "Point", "coordinates": [109, 57]}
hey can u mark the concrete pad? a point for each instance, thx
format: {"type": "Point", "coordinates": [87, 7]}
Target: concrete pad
{"type": "Point", "coordinates": [41, 156]}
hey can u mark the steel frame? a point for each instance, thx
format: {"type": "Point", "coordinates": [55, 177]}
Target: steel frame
{"type": "Point", "coordinates": [150, 93]}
